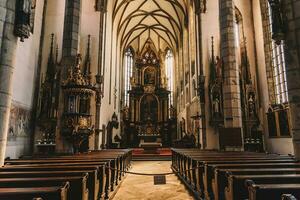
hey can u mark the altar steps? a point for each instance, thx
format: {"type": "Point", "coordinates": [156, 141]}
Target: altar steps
{"type": "Point", "coordinates": [151, 157]}
{"type": "Point", "coordinates": [162, 154]}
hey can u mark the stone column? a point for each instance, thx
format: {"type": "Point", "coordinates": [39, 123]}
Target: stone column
{"type": "Point", "coordinates": [69, 53]}
{"type": "Point", "coordinates": [292, 50]}
{"type": "Point", "coordinates": [71, 28]}
{"type": "Point", "coordinates": [101, 7]}
{"type": "Point", "coordinates": [200, 8]}
{"type": "Point", "coordinates": [231, 88]}
{"type": "Point", "coordinates": [7, 62]}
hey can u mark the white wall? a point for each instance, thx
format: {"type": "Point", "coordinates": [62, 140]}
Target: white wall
{"type": "Point", "coordinates": [23, 88]}
{"type": "Point", "coordinates": [210, 28]}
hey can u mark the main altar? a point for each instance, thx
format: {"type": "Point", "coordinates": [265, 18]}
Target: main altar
{"type": "Point", "coordinates": [146, 118]}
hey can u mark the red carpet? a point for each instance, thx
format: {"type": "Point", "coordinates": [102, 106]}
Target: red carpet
{"type": "Point", "coordinates": [159, 152]}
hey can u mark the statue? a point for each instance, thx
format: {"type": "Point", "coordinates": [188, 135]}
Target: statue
{"type": "Point", "coordinates": [251, 105]}
{"type": "Point", "coordinates": [278, 23]}
{"type": "Point", "coordinates": [22, 19]}
{"type": "Point", "coordinates": [164, 82]}
{"type": "Point", "coordinates": [172, 112]}
{"type": "Point", "coordinates": [218, 68]}
{"type": "Point", "coordinates": [216, 106]}
{"type": "Point", "coordinates": [132, 81]}
{"type": "Point", "coordinates": [182, 127]}
{"type": "Point", "coordinates": [126, 113]}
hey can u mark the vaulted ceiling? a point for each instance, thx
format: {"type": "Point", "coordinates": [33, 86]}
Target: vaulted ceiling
{"type": "Point", "coordinates": [157, 20]}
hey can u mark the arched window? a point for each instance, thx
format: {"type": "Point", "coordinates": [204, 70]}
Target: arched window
{"type": "Point", "coordinates": [278, 64]}
{"type": "Point", "coordinates": [275, 60]}
{"type": "Point", "coordinates": [128, 74]}
{"type": "Point", "coordinates": [169, 73]}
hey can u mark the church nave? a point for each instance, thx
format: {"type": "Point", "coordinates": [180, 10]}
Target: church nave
{"type": "Point", "coordinates": [90, 89]}
{"type": "Point", "coordinates": [135, 187]}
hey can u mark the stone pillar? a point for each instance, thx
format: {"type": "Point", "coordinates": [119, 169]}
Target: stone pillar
{"type": "Point", "coordinates": [292, 50]}
{"type": "Point", "coordinates": [101, 7]}
{"type": "Point", "coordinates": [7, 62]}
{"type": "Point", "coordinates": [71, 28]}
{"type": "Point", "coordinates": [200, 7]}
{"type": "Point", "coordinates": [231, 88]}
{"type": "Point", "coordinates": [69, 54]}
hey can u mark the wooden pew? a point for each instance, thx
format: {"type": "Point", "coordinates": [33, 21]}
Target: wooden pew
{"type": "Point", "coordinates": [200, 180]}
{"type": "Point", "coordinates": [183, 160]}
{"type": "Point", "coordinates": [237, 189]}
{"type": "Point", "coordinates": [119, 160]}
{"type": "Point", "coordinates": [102, 174]}
{"type": "Point", "coordinates": [251, 171]}
{"type": "Point", "coordinates": [219, 180]}
{"type": "Point", "coordinates": [78, 187]}
{"type": "Point", "coordinates": [92, 178]}
{"type": "Point", "coordinates": [206, 168]}
{"type": "Point", "coordinates": [113, 162]}
{"type": "Point", "coordinates": [53, 193]}
{"type": "Point", "coordinates": [105, 168]}
{"type": "Point", "coordinates": [271, 191]}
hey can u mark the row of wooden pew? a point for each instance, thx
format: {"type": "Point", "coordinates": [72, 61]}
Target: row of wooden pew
{"type": "Point", "coordinates": [237, 175]}
{"type": "Point", "coordinates": [88, 176]}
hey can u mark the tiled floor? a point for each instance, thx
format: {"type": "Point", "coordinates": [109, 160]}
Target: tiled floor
{"type": "Point", "coordinates": [142, 187]}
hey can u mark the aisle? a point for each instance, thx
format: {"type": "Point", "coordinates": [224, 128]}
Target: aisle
{"type": "Point", "coordinates": [142, 187]}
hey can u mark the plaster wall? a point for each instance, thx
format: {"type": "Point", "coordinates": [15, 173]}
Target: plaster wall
{"type": "Point", "coordinates": [210, 28]}
{"type": "Point", "coordinates": [90, 20]}
{"type": "Point", "coordinates": [26, 63]}
{"type": "Point", "coordinates": [107, 107]}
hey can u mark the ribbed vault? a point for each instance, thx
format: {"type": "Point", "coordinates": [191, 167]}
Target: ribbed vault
{"type": "Point", "coordinates": [144, 20]}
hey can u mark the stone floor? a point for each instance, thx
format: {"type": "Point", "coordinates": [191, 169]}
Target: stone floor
{"type": "Point", "coordinates": [136, 187]}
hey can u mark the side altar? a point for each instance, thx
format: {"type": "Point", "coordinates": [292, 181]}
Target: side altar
{"type": "Point", "coordinates": [146, 119]}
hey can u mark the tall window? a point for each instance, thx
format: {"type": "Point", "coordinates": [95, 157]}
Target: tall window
{"type": "Point", "coordinates": [277, 61]}
{"type": "Point", "coordinates": [128, 73]}
{"type": "Point", "coordinates": [169, 73]}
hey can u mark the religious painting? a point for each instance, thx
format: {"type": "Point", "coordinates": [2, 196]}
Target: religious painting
{"type": "Point", "coordinates": [149, 108]}
{"type": "Point", "coordinates": [149, 76]}
{"type": "Point", "coordinates": [19, 122]}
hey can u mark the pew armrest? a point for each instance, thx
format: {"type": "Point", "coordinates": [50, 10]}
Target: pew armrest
{"type": "Point", "coordinates": [249, 183]}
{"type": "Point", "coordinates": [288, 197]}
